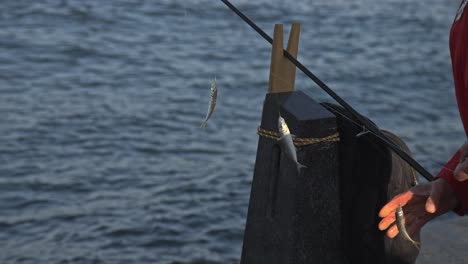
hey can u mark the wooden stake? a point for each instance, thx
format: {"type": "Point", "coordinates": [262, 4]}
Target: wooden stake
{"type": "Point", "coordinates": [282, 71]}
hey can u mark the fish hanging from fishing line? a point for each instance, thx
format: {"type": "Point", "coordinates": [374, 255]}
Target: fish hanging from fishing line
{"type": "Point", "coordinates": [399, 219]}
{"type": "Point", "coordinates": [211, 107]}
{"type": "Point", "coordinates": [286, 142]}
{"type": "Point", "coordinates": [368, 124]}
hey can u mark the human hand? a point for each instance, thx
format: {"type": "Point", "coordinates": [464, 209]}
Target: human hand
{"type": "Point", "coordinates": [421, 204]}
{"type": "Point", "coordinates": [461, 171]}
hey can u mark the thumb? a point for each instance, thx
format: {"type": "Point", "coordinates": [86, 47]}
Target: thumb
{"type": "Point", "coordinates": [460, 171]}
{"type": "Point", "coordinates": [433, 200]}
{"type": "Point", "coordinates": [463, 152]}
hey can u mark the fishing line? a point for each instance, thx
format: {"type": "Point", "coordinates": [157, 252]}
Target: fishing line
{"type": "Point", "coordinates": [346, 118]}
{"type": "Point", "coordinates": [363, 122]}
{"type": "Point", "coordinates": [442, 166]}
{"type": "Point", "coordinates": [364, 130]}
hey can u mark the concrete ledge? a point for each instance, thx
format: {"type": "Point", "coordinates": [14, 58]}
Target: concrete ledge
{"type": "Point", "coordinates": [445, 241]}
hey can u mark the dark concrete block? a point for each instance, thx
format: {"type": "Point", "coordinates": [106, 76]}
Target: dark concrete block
{"type": "Point", "coordinates": [295, 217]}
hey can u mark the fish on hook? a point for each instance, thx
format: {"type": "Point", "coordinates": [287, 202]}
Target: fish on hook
{"type": "Point", "coordinates": [363, 132]}
{"type": "Point", "coordinates": [399, 218]}
{"type": "Point", "coordinates": [211, 107]}
{"type": "Point", "coordinates": [286, 142]}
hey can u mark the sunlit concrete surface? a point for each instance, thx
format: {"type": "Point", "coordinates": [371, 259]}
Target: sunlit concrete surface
{"type": "Point", "coordinates": [445, 241]}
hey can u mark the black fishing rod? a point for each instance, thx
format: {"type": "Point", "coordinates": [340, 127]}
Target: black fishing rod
{"type": "Point", "coordinates": [365, 123]}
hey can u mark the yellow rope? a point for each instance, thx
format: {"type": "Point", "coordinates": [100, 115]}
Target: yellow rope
{"type": "Point", "coordinates": [298, 141]}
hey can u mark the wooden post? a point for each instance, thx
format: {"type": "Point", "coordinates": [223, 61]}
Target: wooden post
{"type": "Point", "coordinates": [294, 217]}
{"type": "Point", "coordinates": [282, 71]}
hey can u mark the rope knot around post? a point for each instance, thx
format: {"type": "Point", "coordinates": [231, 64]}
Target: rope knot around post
{"type": "Point", "coordinates": [298, 142]}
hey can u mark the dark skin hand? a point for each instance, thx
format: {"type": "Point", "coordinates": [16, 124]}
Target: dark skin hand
{"type": "Point", "coordinates": [424, 202]}
{"type": "Point", "coordinates": [461, 171]}
{"type": "Point", "coordinates": [420, 204]}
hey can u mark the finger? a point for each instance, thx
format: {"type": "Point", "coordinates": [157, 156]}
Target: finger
{"type": "Point", "coordinates": [422, 190]}
{"type": "Point", "coordinates": [416, 204]}
{"type": "Point", "coordinates": [391, 206]}
{"type": "Point", "coordinates": [392, 231]}
{"type": "Point", "coordinates": [433, 201]}
{"type": "Point", "coordinates": [463, 152]}
{"type": "Point", "coordinates": [461, 171]}
{"type": "Point", "coordinates": [386, 222]}
{"type": "Point", "coordinates": [410, 216]}
{"type": "Point", "coordinates": [462, 176]}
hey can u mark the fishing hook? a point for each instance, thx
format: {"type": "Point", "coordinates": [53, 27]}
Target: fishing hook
{"type": "Point", "coordinates": [363, 121]}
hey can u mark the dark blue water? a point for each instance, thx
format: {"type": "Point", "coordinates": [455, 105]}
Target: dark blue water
{"type": "Point", "coordinates": [101, 155]}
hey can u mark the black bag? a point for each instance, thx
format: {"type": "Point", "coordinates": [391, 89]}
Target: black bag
{"type": "Point", "coordinates": [370, 175]}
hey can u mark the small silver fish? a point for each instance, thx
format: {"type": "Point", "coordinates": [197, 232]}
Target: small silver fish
{"type": "Point", "coordinates": [399, 218]}
{"type": "Point", "coordinates": [214, 97]}
{"type": "Point", "coordinates": [286, 142]}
